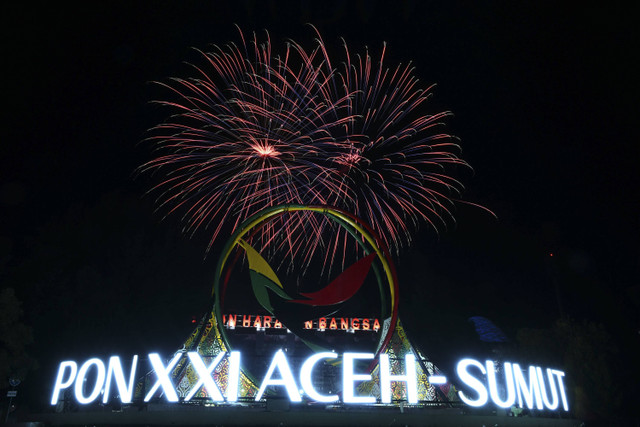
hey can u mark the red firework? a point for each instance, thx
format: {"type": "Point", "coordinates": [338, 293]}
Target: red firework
{"type": "Point", "coordinates": [252, 130]}
{"type": "Point", "coordinates": [397, 167]}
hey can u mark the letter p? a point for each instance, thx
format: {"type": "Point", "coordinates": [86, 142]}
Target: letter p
{"type": "Point", "coordinates": [63, 382]}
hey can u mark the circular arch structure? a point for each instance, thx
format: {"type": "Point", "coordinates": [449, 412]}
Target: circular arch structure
{"type": "Point", "coordinates": [363, 234]}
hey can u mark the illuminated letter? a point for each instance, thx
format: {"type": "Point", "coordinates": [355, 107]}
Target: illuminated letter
{"type": "Point", "coordinates": [409, 378]}
{"type": "Point", "coordinates": [115, 369]}
{"type": "Point", "coordinates": [563, 395]}
{"type": "Point", "coordinates": [493, 385]}
{"type": "Point", "coordinates": [349, 378]}
{"type": "Point", "coordinates": [286, 378]}
{"type": "Point", "coordinates": [267, 322]}
{"type": "Point", "coordinates": [333, 324]}
{"type": "Point", "coordinates": [232, 321]}
{"type": "Point", "coordinates": [305, 377]}
{"type": "Point", "coordinates": [257, 323]}
{"type": "Point", "coordinates": [308, 324]}
{"type": "Point", "coordinates": [204, 374]}
{"type": "Point", "coordinates": [97, 388]}
{"type": "Point", "coordinates": [472, 382]}
{"type": "Point", "coordinates": [277, 324]}
{"type": "Point", "coordinates": [322, 323]}
{"type": "Point", "coordinates": [554, 393]}
{"type": "Point", "coordinates": [246, 321]}
{"type": "Point", "coordinates": [355, 324]}
{"type": "Point", "coordinates": [62, 383]}
{"type": "Point", "coordinates": [365, 325]}
{"type": "Point", "coordinates": [234, 376]}
{"type": "Point", "coordinates": [532, 391]}
{"type": "Point", "coordinates": [162, 374]}
{"type": "Point", "coordinates": [376, 325]}
{"type": "Point", "coordinates": [344, 324]}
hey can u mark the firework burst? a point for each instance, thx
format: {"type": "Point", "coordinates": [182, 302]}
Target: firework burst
{"type": "Point", "coordinates": [252, 130]}
{"type": "Point", "coordinates": [397, 165]}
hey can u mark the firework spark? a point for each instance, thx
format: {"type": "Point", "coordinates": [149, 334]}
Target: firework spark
{"type": "Point", "coordinates": [252, 130]}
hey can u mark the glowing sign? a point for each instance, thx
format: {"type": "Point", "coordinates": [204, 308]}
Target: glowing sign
{"type": "Point", "coordinates": [409, 377]}
{"type": "Point", "coordinates": [305, 377]}
{"type": "Point", "coordinates": [349, 378]}
{"type": "Point", "coordinates": [162, 375]}
{"type": "Point", "coordinates": [103, 381]}
{"type": "Point", "coordinates": [503, 388]}
{"type": "Point", "coordinates": [286, 378]}
{"type": "Point", "coordinates": [349, 324]}
{"type": "Point", "coordinates": [530, 391]}
{"type": "Point", "coordinates": [204, 374]}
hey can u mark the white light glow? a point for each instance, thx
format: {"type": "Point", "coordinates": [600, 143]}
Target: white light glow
{"type": "Point", "coordinates": [62, 382]}
{"type": "Point", "coordinates": [409, 377]}
{"type": "Point", "coordinates": [437, 379]}
{"type": "Point", "coordinates": [234, 376]}
{"type": "Point", "coordinates": [531, 391]}
{"type": "Point", "coordinates": [484, 382]}
{"type": "Point", "coordinates": [305, 377]}
{"type": "Point", "coordinates": [493, 385]}
{"type": "Point", "coordinates": [162, 375]}
{"type": "Point", "coordinates": [563, 395]}
{"type": "Point", "coordinates": [349, 378]}
{"type": "Point", "coordinates": [554, 393]}
{"type": "Point", "coordinates": [80, 380]}
{"type": "Point", "coordinates": [286, 379]}
{"type": "Point", "coordinates": [204, 376]}
{"type": "Point", "coordinates": [115, 369]}
{"type": "Point", "coordinates": [472, 382]}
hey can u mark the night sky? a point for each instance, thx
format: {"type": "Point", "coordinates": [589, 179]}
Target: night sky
{"type": "Point", "coordinates": [544, 98]}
